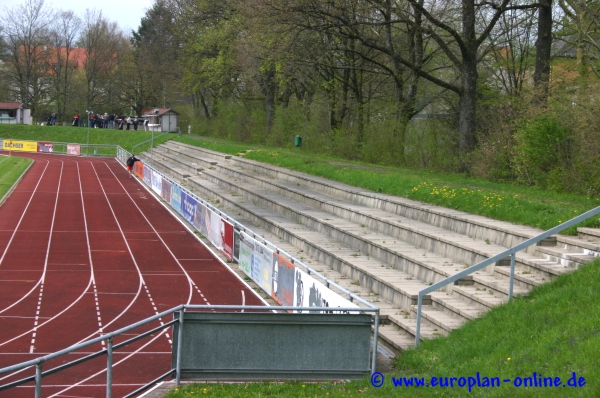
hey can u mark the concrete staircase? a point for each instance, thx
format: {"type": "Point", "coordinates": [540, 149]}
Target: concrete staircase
{"type": "Point", "coordinates": [383, 248]}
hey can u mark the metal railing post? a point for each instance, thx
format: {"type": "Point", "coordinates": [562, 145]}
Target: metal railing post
{"type": "Point", "coordinates": [418, 333]}
{"type": "Point", "coordinates": [512, 276]}
{"type": "Point", "coordinates": [109, 364]}
{"type": "Point", "coordinates": [179, 338]}
{"type": "Point", "coordinates": [38, 380]}
{"type": "Point", "coordinates": [375, 334]}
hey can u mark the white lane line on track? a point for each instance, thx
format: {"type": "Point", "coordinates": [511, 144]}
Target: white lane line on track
{"type": "Point", "coordinates": [157, 234]}
{"type": "Point", "coordinates": [84, 353]}
{"type": "Point", "coordinates": [190, 281]}
{"type": "Point", "coordinates": [206, 246]}
{"type": "Point", "coordinates": [141, 282]}
{"type": "Point", "coordinates": [103, 371]}
{"type": "Point", "coordinates": [43, 278]}
{"type": "Point", "coordinates": [84, 292]}
{"type": "Point", "coordinates": [15, 232]}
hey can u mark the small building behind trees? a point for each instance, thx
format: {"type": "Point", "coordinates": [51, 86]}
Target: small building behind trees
{"type": "Point", "coordinates": [14, 113]}
{"type": "Point", "coordinates": [161, 119]}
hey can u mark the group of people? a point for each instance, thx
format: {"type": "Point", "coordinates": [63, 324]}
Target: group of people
{"type": "Point", "coordinates": [112, 121]}
{"type": "Point", "coordinates": [51, 120]}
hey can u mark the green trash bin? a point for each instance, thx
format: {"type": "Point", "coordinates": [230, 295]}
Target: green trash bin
{"type": "Point", "coordinates": [298, 141]}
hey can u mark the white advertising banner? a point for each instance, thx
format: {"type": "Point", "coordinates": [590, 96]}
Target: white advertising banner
{"type": "Point", "coordinates": [309, 292]}
{"type": "Point", "coordinates": [156, 182]}
{"type": "Point", "coordinates": [245, 256]}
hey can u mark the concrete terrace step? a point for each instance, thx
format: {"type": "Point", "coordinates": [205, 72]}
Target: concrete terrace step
{"type": "Point", "coordinates": [589, 234]}
{"type": "Point", "coordinates": [446, 243]}
{"type": "Point", "coordinates": [392, 277]}
{"type": "Point", "coordinates": [400, 282]}
{"type": "Point", "coordinates": [567, 257]}
{"type": "Point", "coordinates": [382, 248]}
{"type": "Point", "coordinates": [476, 227]}
{"type": "Point", "coordinates": [460, 248]}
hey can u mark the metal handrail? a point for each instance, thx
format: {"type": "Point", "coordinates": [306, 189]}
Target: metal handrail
{"type": "Point", "coordinates": [147, 141]}
{"type": "Point", "coordinates": [500, 256]}
{"type": "Point", "coordinates": [177, 370]}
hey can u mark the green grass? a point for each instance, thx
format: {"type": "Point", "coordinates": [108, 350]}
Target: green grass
{"type": "Point", "coordinates": [517, 204]}
{"type": "Point", "coordinates": [11, 168]}
{"type": "Point", "coordinates": [554, 331]}
{"type": "Point", "coordinates": [68, 134]}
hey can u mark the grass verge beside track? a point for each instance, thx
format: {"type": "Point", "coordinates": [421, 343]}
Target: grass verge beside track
{"type": "Point", "coordinates": [11, 169]}
{"type": "Point", "coordinates": [517, 204]}
{"type": "Point", "coordinates": [553, 332]}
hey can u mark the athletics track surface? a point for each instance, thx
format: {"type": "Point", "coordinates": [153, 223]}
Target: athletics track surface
{"type": "Point", "coordinates": [86, 250]}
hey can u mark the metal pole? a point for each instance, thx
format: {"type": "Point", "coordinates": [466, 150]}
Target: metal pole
{"type": "Point", "coordinates": [375, 335]}
{"type": "Point", "coordinates": [109, 364]}
{"type": "Point", "coordinates": [179, 341]}
{"type": "Point", "coordinates": [88, 133]}
{"type": "Point", "coordinates": [152, 149]}
{"type": "Point", "coordinates": [38, 380]}
{"type": "Point", "coordinates": [512, 275]}
{"type": "Point", "coordinates": [418, 334]}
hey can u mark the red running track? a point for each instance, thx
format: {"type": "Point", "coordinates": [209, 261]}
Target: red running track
{"type": "Point", "coordinates": [86, 250]}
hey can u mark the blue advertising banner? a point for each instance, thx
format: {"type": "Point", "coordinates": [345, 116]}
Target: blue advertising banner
{"type": "Point", "coordinates": [188, 207]}
{"type": "Point", "coordinates": [176, 198]}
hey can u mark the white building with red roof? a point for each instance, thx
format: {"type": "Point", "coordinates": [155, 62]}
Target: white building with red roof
{"type": "Point", "coordinates": [14, 113]}
{"type": "Point", "coordinates": [161, 119]}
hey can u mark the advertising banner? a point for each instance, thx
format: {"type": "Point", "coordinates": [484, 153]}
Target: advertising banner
{"type": "Point", "coordinates": [201, 218]}
{"type": "Point", "coordinates": [148, 176]}
{"type": "Point", "coordinates": [256, 260]}
{"type": "Point", "coordinates": [165, 192]}
{"type": "Point", "coordinates": [45, 147]}
{"type": "Point", "coordinates": [21, 146]}
{"type": "Point", "coordinates": [245, 256]}
{"type": "Point", "coordinates": [262, 267]}
{"type": "Point", "coordinates": [215, 230]}
{"type": "Point", "coordinates": [284, 274]}
{"type": "Point", "coordinates": [227, 238]}
{"type": "Point", "coordinates": [176, 198]}
{"type": "Point", "coordinates": [309, 292]}
{"type": "Point", "coordinates": [73, 149]}
{"type": "Point", "coordinates": [156, 182]}
{"type": "Point", "coordinates": [188, 207]}
{"type": "Point", "coordinates": [139, 169]}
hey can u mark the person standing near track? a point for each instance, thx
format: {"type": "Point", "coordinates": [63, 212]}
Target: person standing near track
{"type": "Point", "coordinates": [130, 162]}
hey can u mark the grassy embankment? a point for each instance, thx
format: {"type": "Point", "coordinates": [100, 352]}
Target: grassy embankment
{"type": "Point", "coordinates": [553, 332]}
{"type": "Point", "coordinates": [79, 135]}
{"type": "Point", "coordinates": [517, 204]}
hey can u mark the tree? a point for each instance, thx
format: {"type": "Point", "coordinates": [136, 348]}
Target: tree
{"type": "Point", "coordinates": [208, 32]}
{"type": "Point", "coordinates": [103, 42]}
{"type": "Point", "coordinates": [63, 36]}
{"type": "Point", "coordinates": [155, 51]}
{"type": "Point", "coordinates": [26, 36]}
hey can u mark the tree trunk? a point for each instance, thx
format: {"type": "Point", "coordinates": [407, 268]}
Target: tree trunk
{"type": "Point", "coordinates": [269, 90]}
{"type": "Point", "coordinates": [468, 98]}
{"type": "Point", "coordinates": [468, 104]}
{"type": "Point", "coordinates": [543, 44]}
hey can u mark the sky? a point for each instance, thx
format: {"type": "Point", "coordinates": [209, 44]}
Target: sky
{"type": "Point", "coordinates": [126, 13]}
